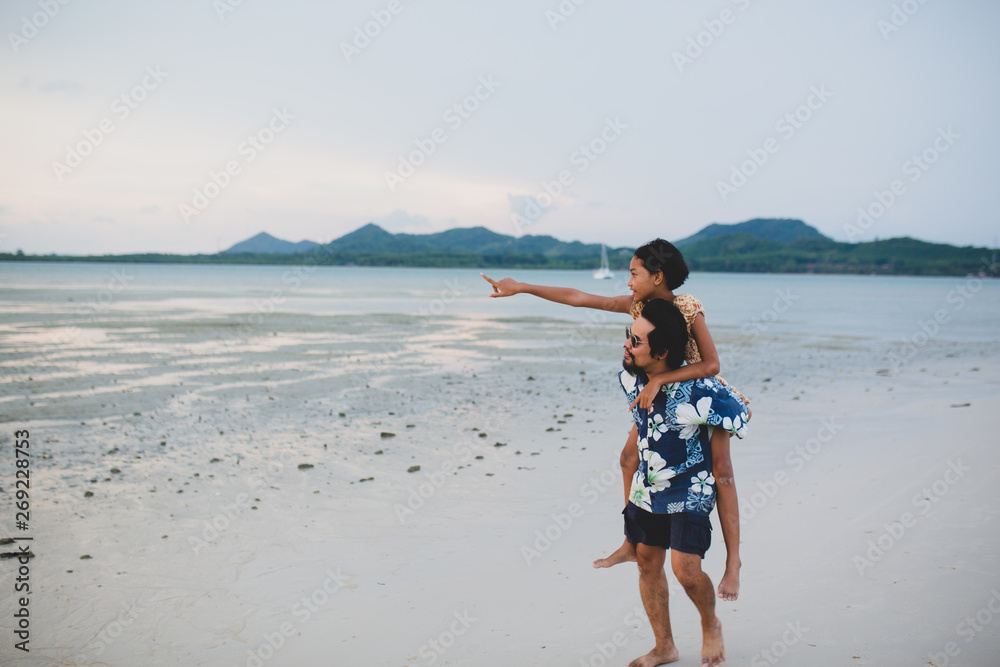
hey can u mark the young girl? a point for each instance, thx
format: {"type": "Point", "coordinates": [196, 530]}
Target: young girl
{"type": "Point", "coordinates": [656, 270]}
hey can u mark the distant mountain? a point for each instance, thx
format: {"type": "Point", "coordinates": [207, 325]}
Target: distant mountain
{"type": "Point", "coordinates": [474, 246]}
{"type": "Point", "coordinates": [372, 245]}
{"type": "Point", "coordinates": [473, 239]}
{"type": "Point", "coordinates": [265, 244]}
{"type": "Point", "coordinates": [760, 245]}
{"type": "Point", "coordinates": [372, 239]}
{"type": "Point", "coordinates": [900, 256]}
{"type": "Point", "coordinates": [772, 229]}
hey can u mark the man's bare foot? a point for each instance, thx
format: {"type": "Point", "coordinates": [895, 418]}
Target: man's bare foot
{"type": "Point", "coordinates": [729, 587]}
{"type": "Point", "coordinates": [656, 657]}
{"type": "Point", "coordinates": [713, 652]}
{"type": "Point", "coordinates": [623, 554]}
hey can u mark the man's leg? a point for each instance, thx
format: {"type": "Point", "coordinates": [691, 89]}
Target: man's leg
{"type": "Point", "coordinates": [629, 461]}
{"type": "Point", "coordinates": [698, 586]}
{"type": "Point", "coordinates": [655, 598]}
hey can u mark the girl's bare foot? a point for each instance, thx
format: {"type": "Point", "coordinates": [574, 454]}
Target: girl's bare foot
{"type": "Point", "coordinates": [713, 652]}
{"type": "Point", "coordinates": [729, 587]}
{"type": "Point", "coordinates": [656, 657]}
{"type": "Point", "coordinates": [623, 554]}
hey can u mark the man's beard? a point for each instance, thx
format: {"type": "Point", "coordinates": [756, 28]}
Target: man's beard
{"type": "Point", "coordinates": [629, 365]}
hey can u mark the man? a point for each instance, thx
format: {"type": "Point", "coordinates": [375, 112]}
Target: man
{"type": "Point", "coordinates": [674, 490]}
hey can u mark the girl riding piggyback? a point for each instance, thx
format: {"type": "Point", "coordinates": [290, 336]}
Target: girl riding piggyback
{"type": "Point", "coordinates": [656, 270]}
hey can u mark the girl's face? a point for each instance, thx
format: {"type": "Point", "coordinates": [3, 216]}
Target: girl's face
{"type": "Point", "coordinates": [642, 283]}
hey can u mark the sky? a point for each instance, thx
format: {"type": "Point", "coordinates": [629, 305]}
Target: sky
{"type": "Point", "coordinates": [188, 126]}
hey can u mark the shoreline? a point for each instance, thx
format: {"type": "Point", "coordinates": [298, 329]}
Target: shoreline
{"type": "Point", "coordinates": [303, 260]}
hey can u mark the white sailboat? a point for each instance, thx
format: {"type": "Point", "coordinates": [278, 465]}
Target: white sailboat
{"type": "Point", "coordinates": [605, 271]}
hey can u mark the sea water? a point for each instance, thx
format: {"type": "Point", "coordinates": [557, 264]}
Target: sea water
{"type": "Point", "coordinates": [882, 308]}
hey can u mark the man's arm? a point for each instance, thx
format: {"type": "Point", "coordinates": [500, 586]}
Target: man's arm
{"type": "Point", "coordinates": [729, 511]}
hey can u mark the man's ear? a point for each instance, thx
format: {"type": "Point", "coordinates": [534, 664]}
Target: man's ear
{"type": "Point", "coordinates": [660, 357]}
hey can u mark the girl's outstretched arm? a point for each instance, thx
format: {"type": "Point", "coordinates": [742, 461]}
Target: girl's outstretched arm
{"type": "Point", "coordinates": [564, 295]}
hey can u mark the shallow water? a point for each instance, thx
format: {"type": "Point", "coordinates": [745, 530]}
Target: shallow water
{"type": "Point", "coordinates": [877, 307]}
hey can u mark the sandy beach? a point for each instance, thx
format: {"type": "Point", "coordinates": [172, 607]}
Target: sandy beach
{"type": "Point", "coordinates": [431, 490]}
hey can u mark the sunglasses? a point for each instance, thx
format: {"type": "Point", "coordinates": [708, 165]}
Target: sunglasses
{"type": "Point", "coordinates": [632, 338]}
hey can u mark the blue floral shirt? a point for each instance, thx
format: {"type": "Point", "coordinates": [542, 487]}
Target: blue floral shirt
{"type": "Point", "coordinates": [675, 460]}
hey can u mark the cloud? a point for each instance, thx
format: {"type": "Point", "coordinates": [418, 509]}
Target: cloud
{"type": "Point", "coordinates": [149, 209]}
{"type": "Point", "coordinates": [526, 211]}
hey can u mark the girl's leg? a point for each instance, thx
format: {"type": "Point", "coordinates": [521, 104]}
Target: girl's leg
{"type": "Point", "coordinates": [729, 512]}
{"type": "Point", "coordinates": [629, 461]}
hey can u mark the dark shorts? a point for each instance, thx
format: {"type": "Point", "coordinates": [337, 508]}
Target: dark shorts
{"type": "Point", "coordinates": [682, 531]}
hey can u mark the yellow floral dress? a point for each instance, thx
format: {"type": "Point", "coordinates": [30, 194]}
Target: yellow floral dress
{"type": "Point", "coordinates": [690, 307]}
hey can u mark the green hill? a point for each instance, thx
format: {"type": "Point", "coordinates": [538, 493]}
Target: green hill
{"type": "Point", "coordinates": [761, 245]}
{"type": "Point", "coordinates": [773, 229]}
{"type": "Point", "coordinates": [900, 256]}
{"type": "Point", "coordinates": [266, 244]}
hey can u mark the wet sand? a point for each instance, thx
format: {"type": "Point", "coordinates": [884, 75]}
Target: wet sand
{"type": "Point", "coordinates": [248, 493]}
